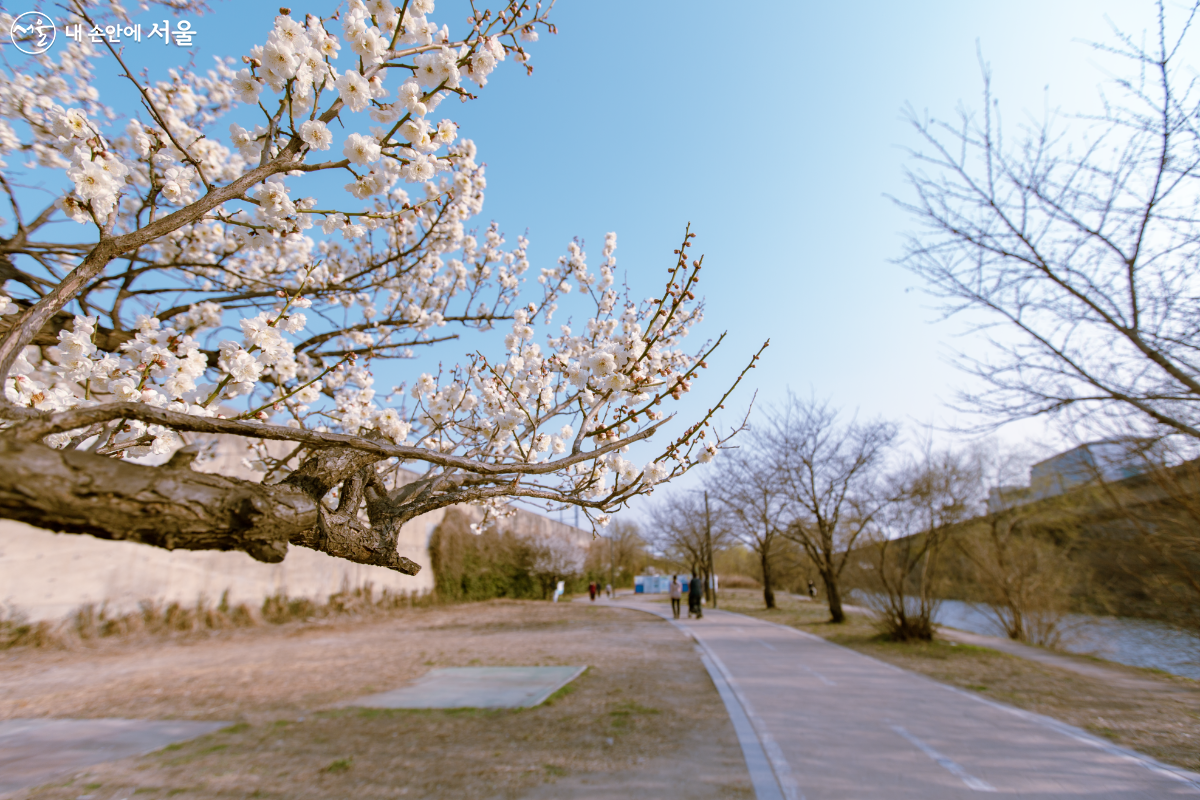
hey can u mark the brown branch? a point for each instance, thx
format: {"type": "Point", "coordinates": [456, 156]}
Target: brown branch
{"type": "Point", "coordinates": [173, 506]}
{"type": "Point", "coordinates": [34, 430]}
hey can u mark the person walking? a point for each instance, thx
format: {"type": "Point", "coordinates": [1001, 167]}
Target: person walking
{"type": "Point", "coordinates": [592, 591]}
{"type": "Point", "coordinates": [812, 590]}
{"type": "Point", "coordinates": [676, 592]}
{"type": "Point", "coordinates": [695, 598]}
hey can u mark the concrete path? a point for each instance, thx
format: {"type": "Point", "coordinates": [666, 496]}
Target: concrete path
{"type": "Point", "coordinates": [33, 751]}
{"type": "Point", "coordinates": [833, 724]}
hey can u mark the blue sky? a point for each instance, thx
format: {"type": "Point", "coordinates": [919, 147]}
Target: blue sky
{"type": "Point", "coordinates": [776, 129]}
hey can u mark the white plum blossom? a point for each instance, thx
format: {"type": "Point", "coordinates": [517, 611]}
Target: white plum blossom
{"type": "Point", "coordinates": [247, 142]}
{"type": "Point", "coordinates": [273, 200]}
{"type": "Point", "coordinates": [361, 150]}
{"type": "Point", "coordinates": [447, 132]}
{"type": "Point", "coordinates": [655, 472]}
{"type": "Point", "coordinates": [410, 96]}
{"type": "Point", "coordinates": [98, 179]}
{"type": "Point", "coordinates": [420, 168]}
{"type": "Point", "coordinates": [72, 123]}
{"type": "Point", "coordinates": [297, 306]}
{"type": "Point", "coordinates": [316, 135]}
{"type": "Point", "coordinates": [437, 68]}
{"type": "Point", "coordinates": [390, 425]}
{"type": "Point", "coordinates": [247, 87]}
{"type": "Point", "coordinates": [241, 366]}
{"type": "Point", "coordinates": [354, 90]}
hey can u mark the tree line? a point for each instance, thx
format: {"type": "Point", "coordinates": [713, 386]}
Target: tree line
{"type": "Point", "coordinates": [815, 491]}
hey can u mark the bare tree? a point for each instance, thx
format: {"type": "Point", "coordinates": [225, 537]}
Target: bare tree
{"type": "Point", "coordinates": [690, 529]}
{"type": "Point", "coordinates": [1022, 568]}
{"type": "Point", "coordinates": [619, 554]}
{"type": "Point", "coordinates": [828, 474]}
{"type": "Point", "coordinates": [1079, 242]}
{"type": "Point", "coordinates": [1143, 534]}
{"type": "Point", "coordinates": [748, 487]}
{"type": "Point", "coordinates": [555, 558]}
{"type": "Point", "coordinates": [675, 533]}
{"type": "Point", "coordinates": [926, 497]}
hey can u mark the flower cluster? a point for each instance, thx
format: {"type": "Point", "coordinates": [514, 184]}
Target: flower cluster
{"type": "Point", "coordinates": [324, 295]}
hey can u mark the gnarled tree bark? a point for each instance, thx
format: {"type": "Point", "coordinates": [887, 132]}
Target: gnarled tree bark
{"type": "Point", "coordinates": [172, 506]}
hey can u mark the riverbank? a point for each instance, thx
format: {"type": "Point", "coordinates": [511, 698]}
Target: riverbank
{"type": "Point", "coordinates": [1153, 713]}
{"type": "Point", "coordinates": [1133, 642]}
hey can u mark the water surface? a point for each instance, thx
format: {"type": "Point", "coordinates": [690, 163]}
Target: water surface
{"type": "Point", "coordinates": [1136, 642]}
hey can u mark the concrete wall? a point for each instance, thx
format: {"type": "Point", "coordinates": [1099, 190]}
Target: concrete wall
{"type": "Point", "coordinates": [47, 575]}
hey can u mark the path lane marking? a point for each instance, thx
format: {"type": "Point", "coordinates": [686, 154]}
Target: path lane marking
{"type": "Point", "coordinates": [764, 644]}
{"type": "Point", "coordinates": [820, 677]}
{"type": "Point", "coordinates": [945, 763]}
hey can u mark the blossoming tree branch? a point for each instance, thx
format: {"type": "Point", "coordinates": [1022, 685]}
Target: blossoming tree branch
{"type": "Point", "coordinates": [205, 293]}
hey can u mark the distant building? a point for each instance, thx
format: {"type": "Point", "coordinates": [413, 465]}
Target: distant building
{"type": "Point", "coordinates": [1107, 461]}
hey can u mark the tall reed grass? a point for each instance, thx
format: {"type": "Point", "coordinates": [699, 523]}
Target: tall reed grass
{"type": "Point", "coordinates": [93, 622]}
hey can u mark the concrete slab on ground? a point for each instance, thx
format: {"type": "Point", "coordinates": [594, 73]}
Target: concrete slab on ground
{"type": "Point", "coordinates": [476, 687]}
{"type": "Point", "coordinates": [34, 751]}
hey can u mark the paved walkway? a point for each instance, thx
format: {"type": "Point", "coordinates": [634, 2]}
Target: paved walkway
{"type": "Point", "coordinates": [821, 722]}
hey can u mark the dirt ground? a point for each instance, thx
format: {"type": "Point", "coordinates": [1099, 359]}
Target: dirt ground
{"type": "Point", "coordinates": [1156, 714]}
{"type": "Point", "coordinates": [644, 720]}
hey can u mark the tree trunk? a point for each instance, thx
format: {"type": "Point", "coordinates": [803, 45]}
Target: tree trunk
{"type": "Point", "coordinates": [768, 589]}
{"type": "Point", "coordinates": [834, 594]}
{"type": "Point", "coordinates": [710, 589]}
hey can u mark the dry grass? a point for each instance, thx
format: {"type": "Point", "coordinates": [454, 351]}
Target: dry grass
{"type": "Point", "coordinates": [283, 687]}
{"type": "Point", "coordinates": [90, 622]}
{"type": "Point", "coordinates": [739, 582]}
{"type": "Point", "coordinates": [1163, 723]}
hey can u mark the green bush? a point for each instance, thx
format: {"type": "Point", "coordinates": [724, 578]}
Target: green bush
{"type": "Point", "coordinates": [468, 566]}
